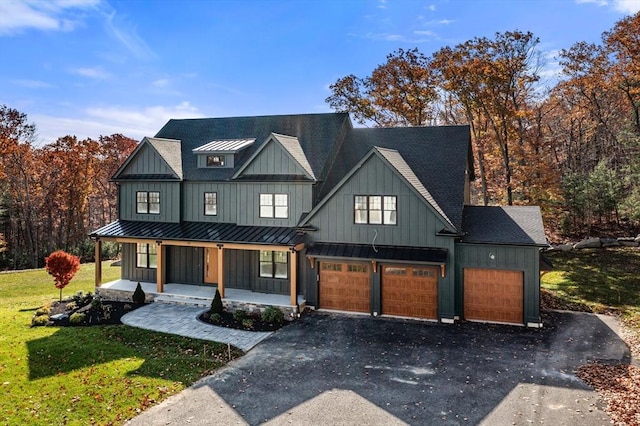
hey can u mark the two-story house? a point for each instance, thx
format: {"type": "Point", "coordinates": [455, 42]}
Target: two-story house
{"type": "Point", "coordinates": [375, 221]}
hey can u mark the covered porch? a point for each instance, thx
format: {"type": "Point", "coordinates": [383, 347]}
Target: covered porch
{"type": "Point", "coordinates": [213, 240]}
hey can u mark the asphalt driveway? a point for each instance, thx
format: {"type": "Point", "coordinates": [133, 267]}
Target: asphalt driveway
{"type": "Point", "coordinates": [338, 369]}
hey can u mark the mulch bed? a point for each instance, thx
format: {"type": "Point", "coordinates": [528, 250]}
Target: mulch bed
{"type": "Point", "coordinates": [107, 312]}
{"type": "Point", "coordinates": [227, 320]}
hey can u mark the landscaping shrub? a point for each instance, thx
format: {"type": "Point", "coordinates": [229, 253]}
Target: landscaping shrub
{"type": "Point", "coordinates": [138, 295]}
{"type": "Point", "coordinates": [96, 303]}
{"type": "Point", "coordinates": [43, 311]}
{"type": "Point", "coordinates": [272, 315]}
{"type": "Point", "coordinates": [239, 315]}
{"type": "Point", "coordinates": [77, 318]}
{"type": "Point", "coordinates": [39, 320]}
{"type": "Point", "coordinates": [215, 318]}
{"type": "Point", "coordinates": [216, 304]}
{"type": "Point", "coordinates": [247, 323]}
{"type": "Point", "coordinates": [71, 306]}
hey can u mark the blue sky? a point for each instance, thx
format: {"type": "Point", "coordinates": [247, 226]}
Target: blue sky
{"type": "Point", "coordinates": [92, 67]}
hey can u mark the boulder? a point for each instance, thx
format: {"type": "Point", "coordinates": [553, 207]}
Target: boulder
{"type": "Point", "coordinates": [637, 239]}
{"type": "Point", "coordinates": [609, 242]}
{"type": "Point", "coordinates": [628, 242]}
{"type": "Point", "coordinates": [588, 243]}
{"type": "Point", "coordinates": [565, 247]}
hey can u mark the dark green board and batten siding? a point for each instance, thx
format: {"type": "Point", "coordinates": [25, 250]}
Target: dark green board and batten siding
{"type": "Point", "coordinates": [169, 201]}
{"type": "Point", "coordinates": [513, 258]}
{"type": "Point", "coordinates": [248, 201]}
{"type": "Point", "coordinates": [273, 160]}
{"type": "Point", "coordinates": [147, 162]}
{"type": "Point", "coordinates": [193, 202]}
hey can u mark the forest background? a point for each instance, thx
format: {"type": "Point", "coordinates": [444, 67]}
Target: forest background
{"type": "Point", "coordinates": [573, 148]}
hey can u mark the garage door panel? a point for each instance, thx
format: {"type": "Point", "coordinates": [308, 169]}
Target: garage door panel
{"type": "Point", "coordinates": [410, 291]}
{"type": "Point", "coordinates": [493, 295]}
{"type": "Point", "coordinates": [345, 287]}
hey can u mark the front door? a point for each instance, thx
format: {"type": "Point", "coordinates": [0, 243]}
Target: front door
{"type": "Point", "coordinates": [211, 265]}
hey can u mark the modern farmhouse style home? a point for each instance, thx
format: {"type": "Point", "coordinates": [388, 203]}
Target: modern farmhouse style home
{"type": "Point", "coordinates": [306, 210]}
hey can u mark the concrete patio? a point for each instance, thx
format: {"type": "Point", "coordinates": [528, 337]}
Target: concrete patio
{"type": "Point", "coordinates": [197, 295]}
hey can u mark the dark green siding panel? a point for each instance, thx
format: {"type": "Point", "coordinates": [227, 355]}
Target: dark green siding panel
{"type": "Point", "coordinates": [185, 265]}
{"type": "Point", "coordinates": [193, 202]}
{"type": "Point", "coordinates": [273, 160]}
{"type": "Point", "coordinates": [129, 270]}
{"type": "Point", "coordinates": [240, 268]}
{"type": "Point", "coordinates": [515, 258]}
{"type": "Point", "coordinates": [169, 201]}
{"type": "Point", "coordinates": [248, 202]}
{"type": "Point", "coordinates": [147, 161]}
{"type": "Point", "coordinates": [417, 223]}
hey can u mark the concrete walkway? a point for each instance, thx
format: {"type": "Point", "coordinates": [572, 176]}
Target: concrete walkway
{"type": "Point", "coordinates": [183, 321]}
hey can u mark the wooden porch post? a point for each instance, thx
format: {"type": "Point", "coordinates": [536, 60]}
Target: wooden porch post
{"type": "Point", "coordinates": [221, 270]}
{"type": "Point", "coordinates": [293, 272]}
{"type": "Point", "coordinates": [160, 267]}
{"type": "Point", "coordinates": [98, 259]}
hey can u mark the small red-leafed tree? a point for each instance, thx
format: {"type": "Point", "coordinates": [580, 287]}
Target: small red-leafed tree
{"type": "Point", "coordinates": [62, 266]}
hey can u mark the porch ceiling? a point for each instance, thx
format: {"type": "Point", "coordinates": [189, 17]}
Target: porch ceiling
{"type": "Point", "coordinates": [201, 232]}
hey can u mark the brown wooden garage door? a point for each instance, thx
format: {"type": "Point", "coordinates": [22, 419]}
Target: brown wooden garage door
{"type": "Point", "coordinates": [410, 291]}
{"type": "Point", "coordinates": [345, 286]}
{"type": "Point", "coordinates": [494, 295]}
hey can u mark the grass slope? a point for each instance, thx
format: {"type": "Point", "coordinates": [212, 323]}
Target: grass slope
{"type": "Point", "coordinates": [86, 375]}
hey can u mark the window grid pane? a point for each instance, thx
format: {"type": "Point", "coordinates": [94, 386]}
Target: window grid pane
{"type": "Point", "coordinates": [154, 202]}
{"type": "Point", "coordinates": [210, 203]}
{"type": "Point", "coordinates": [142, 205]}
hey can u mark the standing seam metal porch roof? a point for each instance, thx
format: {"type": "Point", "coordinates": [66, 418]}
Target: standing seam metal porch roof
{"type": "Point", "coordinates": [201, 232]}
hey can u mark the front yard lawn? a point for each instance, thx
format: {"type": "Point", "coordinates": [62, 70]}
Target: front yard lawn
{"type": "Point", "coordinates": [87, 375]}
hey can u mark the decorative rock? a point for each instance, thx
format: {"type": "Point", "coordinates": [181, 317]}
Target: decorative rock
{"type": "Point", "coordinates": [588, 243]}
{"type": "Point", "coordinates": [637, 239]}
{"type": "Point", "coordinates": [565, 247]}
{"type": "Point", "coordinates": [609, 242]}
{"type": "Point", "coordinates": [629, 244]}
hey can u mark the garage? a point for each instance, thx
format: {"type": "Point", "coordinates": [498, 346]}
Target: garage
{"type": "Point", "coordinates": [345, 286]}
{"type": "Point", "coordinates": [410, 291]}
{"type": "Point", "coordinates": [494, 295]}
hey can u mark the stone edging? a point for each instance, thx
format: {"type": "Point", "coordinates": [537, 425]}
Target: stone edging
{"type": "Point", "coordinates": [598, 243]}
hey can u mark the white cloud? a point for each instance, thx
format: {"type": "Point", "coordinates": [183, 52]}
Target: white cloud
{"type": "Point", "coordinates": [432, 7]}
{"type": "Point", "coordinates": [17, 16]}
{"type": "Point", "coordinates": [161, 82]}
{"type": "Point", "coordinates": [625, 6]}
{"type": "Point", "coordinates": [95, 73]}
{"type": "Point", "coordinates": [95, 121]}
{"type": "Point", "coordinates": [32, 84]}
{"type": "Point", "coordinates": [382, 4]}
{"type": "Point", "coordinates": [424, 33]}
{"type": "Point", "coordinates": [125, 32]}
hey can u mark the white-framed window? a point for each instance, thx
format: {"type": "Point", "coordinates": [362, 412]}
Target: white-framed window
{"type": "Point", "coordinates": [375, 209]}
{"type": "Point", "coordinates": [274, 264]}
{"type": "Point", "coordinates": [274, 206]}
{"type": "Point", "coordinates": [146, 256]}
{"type": "Point", "coordinates": [148, 202]}
{"type": "Point", "coordinates": [215, 160]}
{"type": "Point", "coordinates": [210, 203]}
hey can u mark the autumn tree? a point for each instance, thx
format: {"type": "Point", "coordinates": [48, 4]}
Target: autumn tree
{"type": "Point", "coordinates": [62, 266]}
{"type": "Point", "coordinates": [493, 80]}
{"type": "Point", "coordinates": [400, 92]}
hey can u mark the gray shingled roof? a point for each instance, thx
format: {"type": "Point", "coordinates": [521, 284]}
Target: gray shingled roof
{"type": "Point", "coordinates": [515, 225]}
{"type": "Point", "coordinates": [316, 134]}
{"type": "Point", "coordinates": [169, 149]}
{"type": "Point", "coordinates": [438, 156]}
{"type": "Point", "coordinates": [292, 145]}
{"type": "Point", "coordinates": [401, 166]}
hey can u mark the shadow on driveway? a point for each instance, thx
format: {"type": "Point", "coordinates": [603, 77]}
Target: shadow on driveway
{"type": "Point", "coordinates": [329, 368]}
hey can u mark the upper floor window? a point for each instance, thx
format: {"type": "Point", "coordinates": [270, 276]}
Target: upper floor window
{"type": "Point", "coordinates": [146, 255]}
{"type": "Point", "coordinates": [376, 209]}
{"type": "Point", "coordinates": [148, 202]}
{"type": "Point", "coordinates": [273, 264]}
{"type": "Point", "coordinates": [274, 206]}
{"type": "Point", "coordinates": [210, 203]}
{"type": "Point", "coordinates": [215, 160]}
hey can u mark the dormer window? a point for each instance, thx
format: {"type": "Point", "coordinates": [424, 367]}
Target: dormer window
{"type": "Point", "coordinates": [215, 160]}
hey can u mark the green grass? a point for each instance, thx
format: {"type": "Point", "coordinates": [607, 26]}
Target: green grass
{"type": "Point", "coordinates": [86, 375]}
{"type": "Point", "coordinates": [603, 279]}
